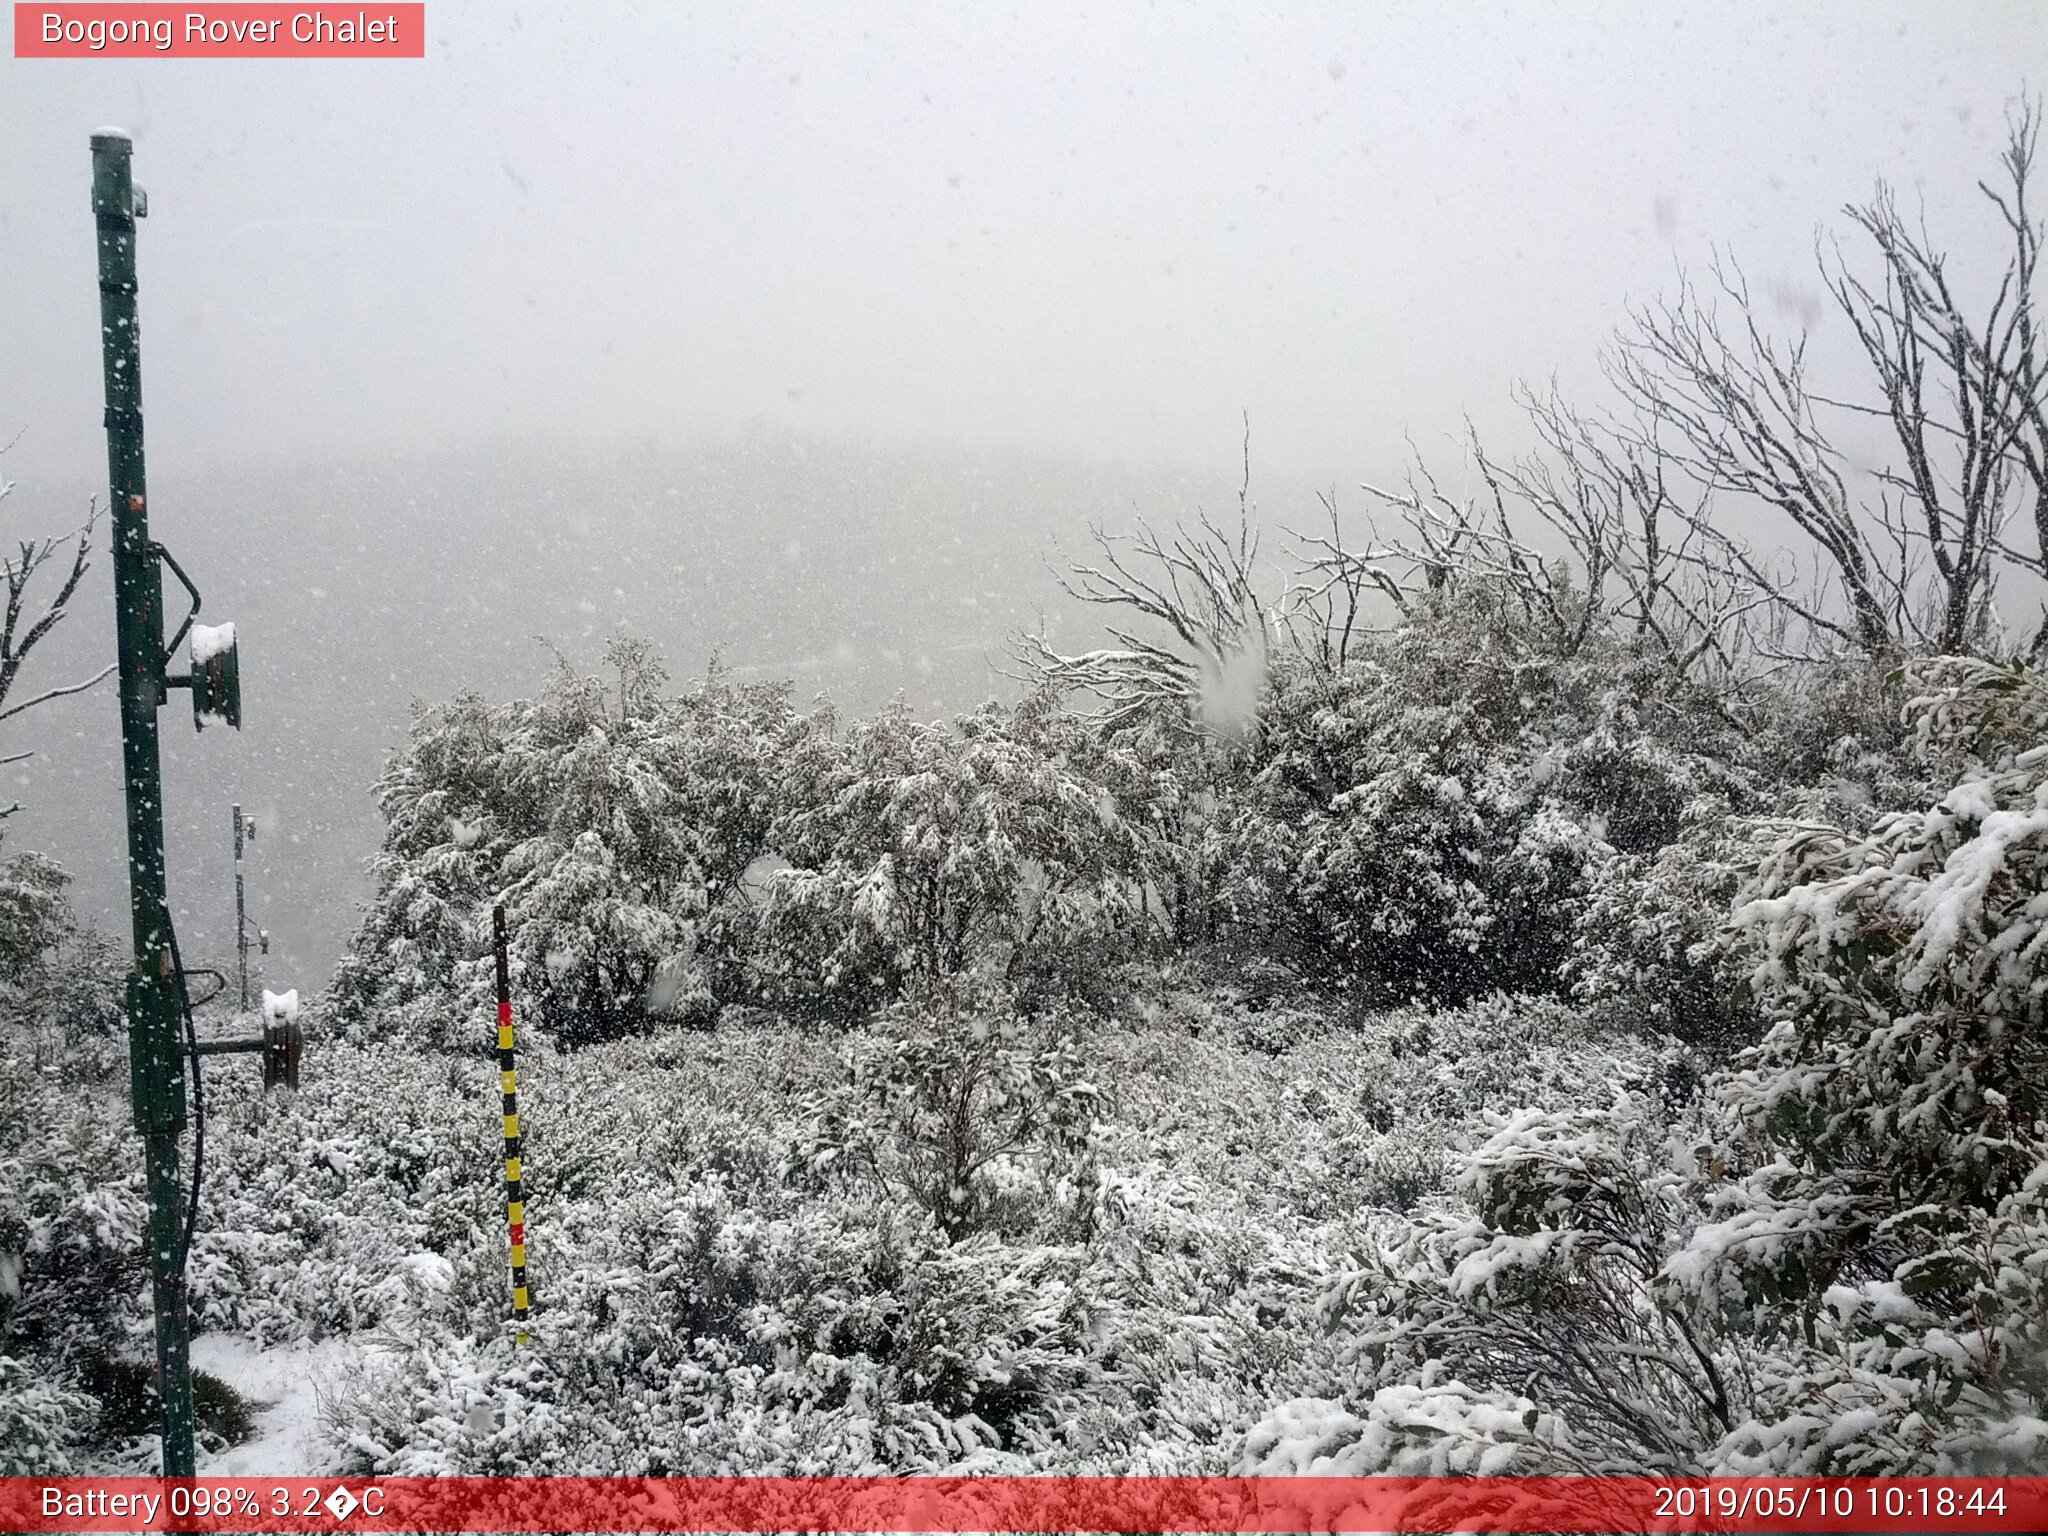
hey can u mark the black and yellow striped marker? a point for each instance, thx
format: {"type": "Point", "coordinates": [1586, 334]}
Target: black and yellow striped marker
{"type": "Point", "coordinates": [508, 1084]}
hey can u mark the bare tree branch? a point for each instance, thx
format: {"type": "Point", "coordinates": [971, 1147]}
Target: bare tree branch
{"type": "Point", "coordinates": [1744, 423]}
{"type": "Point", "coordinates": [1197, 586]}
{"type": "Point", "coordinates": [21, 633]}
{"type": "Point", "coordinates": [56, 693]}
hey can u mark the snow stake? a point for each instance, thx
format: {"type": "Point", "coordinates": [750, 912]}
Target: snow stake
{"type": "Point", "coordinates": [508, 1085]}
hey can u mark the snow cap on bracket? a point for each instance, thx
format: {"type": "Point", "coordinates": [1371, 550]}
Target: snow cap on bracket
{"type": "Point", "coordinates": [210, 640]}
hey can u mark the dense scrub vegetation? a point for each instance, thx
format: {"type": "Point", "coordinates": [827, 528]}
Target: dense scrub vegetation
{"type": "Point", "coordinates": [1467, 1003]}
{"type": "Point", "coordinates": [1678, 1154]}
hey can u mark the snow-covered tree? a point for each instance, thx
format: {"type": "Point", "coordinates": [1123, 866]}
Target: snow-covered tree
{"type": "Point", "coordinates": [652, 812]}
{"type": "Point", "coordinates": [920, 851]}
{"type": "Point", "coordinates": [60, 979]}
{"type": "Point", "coordinates": [33, 912]}
{"type": "Point", "coordinates": [1424, 821]}
{"type": "Point", "coordinates": [617, 825]}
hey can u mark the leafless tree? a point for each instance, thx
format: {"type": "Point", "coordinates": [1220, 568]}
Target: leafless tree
{"type": "Point", "coordinates": [1912, 566]}
{"type": "Point", "coordinates": [1448, 540]}
{"type": "Point", "coordinates": [1210, 629]}
{"type": "Point", "coordinates": [1729, 407]}
{"type": "Point", "coordinates": [1326, 610]}
{"type": "Point", "coordinates": [1192, 639]}
{"type": "Point", "coordinates": [1195, 586]}
{"type": "Point", "coordinates": [1964, 398]}
{"type": "Point", "coordinates": [1618, 525]}
{"type": "Point", "coordinates": [24, 626]}
{"type": "Point", "coordinates": [1589, 533]}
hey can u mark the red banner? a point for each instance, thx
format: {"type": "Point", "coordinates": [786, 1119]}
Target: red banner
{"type": "Point", "coordinates": [375, 31]}
{"type": "Point", "coordinates": [1120, 1504]}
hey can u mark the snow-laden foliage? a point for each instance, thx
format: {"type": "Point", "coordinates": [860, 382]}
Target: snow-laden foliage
{"type": "Point", "coordinates": [1465, 806]}
{"type": "Point", "coordinates": [616, 823]}
{"type": "Point", "coordinates": [70, 1179]}
{"type": "Point", "coordinates": [1650, 947]}
{"type": "Point", "coordinates": [60, 988]}
{"type": "Point", "coordinates": [1520, 998]}
{"type": "Point", "coordinates": [917, 852]}
{"type": "Point", "coordinates": [1135, 1279]}
{"type": "Point", "coordinates": [706, 1302]}
{"type": "Point", "coordinates": [1521, 1328]}
{"type": "Point", "coordinates": [1838, 1263]}
{"type": "Point", "coordinates": [1895, 1216]}
{"type": "Point", "coordinates": [1351, 1095]}
{"type": "Point", "coordinates": [71, 1263]}
{"type": "Point", "coordinates": [661, 857]}
{"type": "Point", "coordinates": [32, 912]}
{"type": "Point", "coordinates": [955, 1101]}
{"type": "Point", "coordinates": [1433, 819]}
{"type": "Point", "coordinates": [43, 1424]}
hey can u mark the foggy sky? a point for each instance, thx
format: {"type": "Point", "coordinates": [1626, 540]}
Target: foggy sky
{"type": "Point", "coordinates": [802, 333]}
{"type": "Point", "coordinates": [1101, 232]}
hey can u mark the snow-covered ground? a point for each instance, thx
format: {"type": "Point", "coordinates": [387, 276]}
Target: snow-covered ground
{"type": "Point", "coordinates": [285, 1387]}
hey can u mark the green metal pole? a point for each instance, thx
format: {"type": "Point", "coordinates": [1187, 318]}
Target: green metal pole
{"type": "Point", "coordinates": [157, 1068]}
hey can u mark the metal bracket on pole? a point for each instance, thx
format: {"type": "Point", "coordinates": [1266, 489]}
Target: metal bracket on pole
{"type": "Point", "coordinates": [216, 675]}
{"type": "Point", "coordinates": [191, 591]}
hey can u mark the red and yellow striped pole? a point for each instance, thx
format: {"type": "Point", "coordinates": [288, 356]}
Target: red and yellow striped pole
{"type": "Point", "coordinates": [508, 1084]}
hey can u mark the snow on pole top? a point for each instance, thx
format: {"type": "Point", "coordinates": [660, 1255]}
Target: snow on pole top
{"type": "Point", "coordinates": [111, 132]}
{"type": "Point", "coordinates": [283, 1006]}
{"type": "Point", "coordinates": [210, 640]}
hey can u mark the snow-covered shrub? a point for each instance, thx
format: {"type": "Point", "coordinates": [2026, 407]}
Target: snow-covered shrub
{"type": "Point", "coordinates": [33, 913]}
{"type": "Point", "coordinates": [700, 1311]}
{"type": "Point", "coordinates": [1172, 788]}
{"type": "Point", "coordinates": [1834, 741]}
{"type": "Point", "coordinates": [1890, 1227]}
{"type": "Point", "coordinates": [702, 1304]}
{"type": "Point", "coordinates": [1403, 834]}
{"type": "Point", "coordinates": [1651, 947]}
{"type": "Point", "coordinates": [411, 962]}
{"type": "Point", "coordinates": [1838, 1262]}
{"type": "Point", "coordinates": [955, 1102]}
{"type": "Point", "coordinates": [1675, 790]}
{"type": "Point", "coordinates": [694, 1311]}
{"type": "Point", "coordinates": [687, 1334]}
{"type": "Point", "coordinates": [70, 1215]}
{"type": "Point", "coordinates": [1352, 859]}
{"type": "Point", "coordinates": [72, 1269]}
{"type": "Point", "coordinates": [1523, 1330]}
{"type": "Point", "coordinates": [60, 981]}
{"type": "Point", "coordinates": [617, 825]}
{"type": "Point", "coordinates": [626, 902]}
{"type": "Point", "coordinates": [367, 1197]}
{"type": "Point", "coordinates": [43, 1424]}
{"type": "Point", "coordinates": [918, 852]}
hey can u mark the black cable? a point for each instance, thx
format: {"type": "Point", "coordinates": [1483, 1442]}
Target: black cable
{"type": "Point", "coordinates": [220, 984]}
{"type": "Point", "coordinates": [198, 1094]}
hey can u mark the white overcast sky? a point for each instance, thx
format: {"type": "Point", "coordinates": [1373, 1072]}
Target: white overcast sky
{"type": "Point", "coordinates": [1101, 232]}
